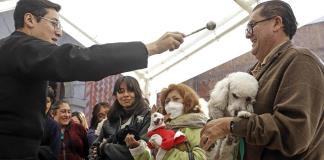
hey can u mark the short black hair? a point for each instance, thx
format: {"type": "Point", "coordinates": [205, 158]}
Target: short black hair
{"type": "Point", "coordinates": [35, 7]}
{"type": "Point", "coordinates": [282, 9]}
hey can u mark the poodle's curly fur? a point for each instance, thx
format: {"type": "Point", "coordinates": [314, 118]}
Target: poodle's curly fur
{"type": "Point", "coordinates": [232, 96]}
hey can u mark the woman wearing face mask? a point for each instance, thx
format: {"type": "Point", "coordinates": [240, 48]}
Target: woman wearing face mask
{"type": "Point", "coordinates": [129, 114]}
{"type": "Point", "coordinates": [181, 104]}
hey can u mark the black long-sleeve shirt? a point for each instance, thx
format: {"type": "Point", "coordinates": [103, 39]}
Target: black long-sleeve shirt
{"type": "Point", "coordinates": [27, 63]}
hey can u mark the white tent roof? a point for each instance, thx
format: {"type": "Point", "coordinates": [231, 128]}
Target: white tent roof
{"type": "Point", "coordinates": [102, 21]}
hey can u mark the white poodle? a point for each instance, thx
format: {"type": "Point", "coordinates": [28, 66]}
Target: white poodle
{"type": "Point", "coordinates": [232, 96]}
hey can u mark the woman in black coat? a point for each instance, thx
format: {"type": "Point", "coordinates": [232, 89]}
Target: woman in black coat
{"type": "Point", "coordinates": [129, 114]}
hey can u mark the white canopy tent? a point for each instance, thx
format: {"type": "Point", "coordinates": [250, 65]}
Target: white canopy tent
{"type": "Point", "coordinates": [102, 21]}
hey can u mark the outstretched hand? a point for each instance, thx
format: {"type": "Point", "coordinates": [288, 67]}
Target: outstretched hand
{"type": "Point", "coordinates": [169, 41]}
{"type": "Point", "coordinates": [213, 130]}
{"type": "Point", "coordinates": [131, 142]}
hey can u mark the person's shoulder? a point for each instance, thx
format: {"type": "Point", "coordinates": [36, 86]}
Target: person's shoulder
{"type": "Point", "coordinates": [25, 41]}
{"type": "Point", "coordinates": [295, 50]}
{"type": "Point", "coordinates": [145, 111]}
{"type": "Point", "coordinates": [77, 126]}
{"type": "Point", "coordinates": [7, 39]}
{"type": "Point", "coordinates": [305, 54]}
{"type": "Point", "coordinates": [51, 122]}
{"type": "Point", "coordinates": [91, 131]}
{"type": "Point", "coordinates": [3, 40]}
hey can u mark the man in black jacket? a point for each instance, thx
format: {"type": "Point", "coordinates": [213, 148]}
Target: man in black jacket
{"type": "Point", "coordinates": [29, 58]}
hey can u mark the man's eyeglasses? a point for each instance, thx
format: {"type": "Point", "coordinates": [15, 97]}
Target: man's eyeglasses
{"type": "Point", "coordinates": [56, 24]}
{"type": "Point", "coordinates": [251, 25]}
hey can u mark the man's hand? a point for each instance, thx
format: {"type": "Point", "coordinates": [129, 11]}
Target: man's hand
{"type": "Point", "coordinates": [213, 130]}
{"type": "Point", "coordinates": [169, 41]}
{"type": "Point", "coordinates": [131, 141]}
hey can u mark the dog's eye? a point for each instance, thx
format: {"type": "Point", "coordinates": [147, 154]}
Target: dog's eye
{"type": "Point", "coordinates": [248, 99]}
{"type": "Point", "coordinates": [235, 96]}
{"type": "Point", "coordinates": [154, 115]}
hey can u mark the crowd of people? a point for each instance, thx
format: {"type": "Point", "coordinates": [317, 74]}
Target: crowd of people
{"type": "Point", "coordinates": [288, 111]}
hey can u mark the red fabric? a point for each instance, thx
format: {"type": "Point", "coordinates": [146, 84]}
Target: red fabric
{"type": "Point", "coordinates": [168, 140]}
{"type": "Point", "coordinates": [99, 91]}
{"type": "Point", "coordinates": [75, 144]}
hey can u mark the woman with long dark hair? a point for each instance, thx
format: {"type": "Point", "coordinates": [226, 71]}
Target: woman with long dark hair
{"type": "Point", "coordinates": [99, 113]}
{"type": "Point", "coordinates": [129, 114]}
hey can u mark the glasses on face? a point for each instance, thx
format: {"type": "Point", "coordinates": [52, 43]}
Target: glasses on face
{"type": "Point", "coordinates": [56, 24]}
{"type": "Point", "coordinates": [251, 25]}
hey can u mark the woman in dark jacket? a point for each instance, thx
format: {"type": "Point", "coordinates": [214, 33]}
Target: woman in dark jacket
{"type": "Point", "coordinates": [129, 114]}
{"type": "Point", "coordinates": [74, 142]}
{"type": "Point", "coordinates": [99, 113]}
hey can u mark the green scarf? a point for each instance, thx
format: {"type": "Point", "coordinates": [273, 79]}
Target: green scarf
{"type": "Point", "coordinates": [190, 120]}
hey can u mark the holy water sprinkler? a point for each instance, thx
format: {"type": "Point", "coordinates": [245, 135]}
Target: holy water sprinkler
{"type": "Point", "coordinates": [210, 26]}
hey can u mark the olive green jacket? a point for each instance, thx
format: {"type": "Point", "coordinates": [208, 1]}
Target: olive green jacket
{"type": "Point", "coordinates": [192, 132]}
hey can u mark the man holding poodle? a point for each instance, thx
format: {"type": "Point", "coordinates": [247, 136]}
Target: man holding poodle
{"type": "Point", "coordinates": [289, 123]}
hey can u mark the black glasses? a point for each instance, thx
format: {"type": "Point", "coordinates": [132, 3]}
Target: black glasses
{"type": "Point", "coordinates": [56, 24]}
{"type": "Point", "coordinates": [251, 25]}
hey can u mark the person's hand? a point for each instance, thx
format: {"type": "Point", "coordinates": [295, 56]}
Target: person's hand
{"type": "Point", "coordinates": [131, 142]}
{"type": "Point", "coordinates": [93, 153]}
{"type": "Point", "coordinates": [167, 117]}
{"type": "Point", "coordinates": [153, 144]}
{"type": "Point", "coordinates": [213, 130]}
{"type": "Point", "coordinates": [104, 141]}
{"type": "Point", "coordinates": [169, 41]}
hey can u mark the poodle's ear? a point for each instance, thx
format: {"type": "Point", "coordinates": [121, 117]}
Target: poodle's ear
{"type": "Point", "coordinates": [219, 96]}
{"type": "Point", "coordinates": [215, 113]}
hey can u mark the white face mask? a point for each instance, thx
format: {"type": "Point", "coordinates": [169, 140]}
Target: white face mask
{"type": "Point", "coordinates": [175, 109]}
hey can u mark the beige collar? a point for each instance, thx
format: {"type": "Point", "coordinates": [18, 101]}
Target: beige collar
{"type": "Point", "coordinates": [272, 52]}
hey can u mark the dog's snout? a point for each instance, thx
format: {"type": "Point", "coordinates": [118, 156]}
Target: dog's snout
{"type": "Point", "coordinates": [157, 121]}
